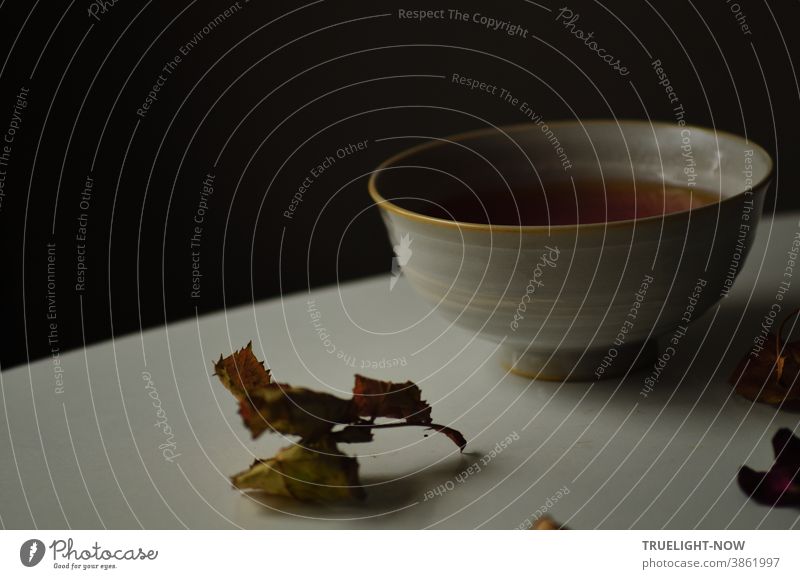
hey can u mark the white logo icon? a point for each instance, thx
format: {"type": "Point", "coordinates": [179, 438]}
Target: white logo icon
{"type": "Point", "coordinates": [31, 552]}
{"type": "Point", "coordinates": [403, 253]}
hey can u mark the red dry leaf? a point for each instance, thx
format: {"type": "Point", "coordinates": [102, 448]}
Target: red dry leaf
{"type": "Point", "coordinates": [780, 485]}
{"type": "Point", "coordinates": [376, 398]}
{"type": "Point", "coordinates": [242, 372]}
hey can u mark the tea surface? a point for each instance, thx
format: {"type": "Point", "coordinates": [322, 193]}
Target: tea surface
{"type": "Point", "coordinates": [559, 204]}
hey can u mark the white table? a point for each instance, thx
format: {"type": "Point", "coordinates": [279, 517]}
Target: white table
{"type": "Point", "coordinates": [89, 457]}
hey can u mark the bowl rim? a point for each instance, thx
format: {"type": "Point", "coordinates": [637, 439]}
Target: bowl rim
{"type": "Point", "coordinates": [518, 127]}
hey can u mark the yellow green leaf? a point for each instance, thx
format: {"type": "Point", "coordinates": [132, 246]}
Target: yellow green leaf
{"type": "Point", "coordinates": [319, 473]}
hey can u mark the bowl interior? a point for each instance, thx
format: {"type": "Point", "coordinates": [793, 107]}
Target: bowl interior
{"type": "Point", "coordinates": [570, 172]}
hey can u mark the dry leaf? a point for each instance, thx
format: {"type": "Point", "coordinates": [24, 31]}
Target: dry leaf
{"type": "Point", "coordinates": [780, 485]}
{"type": "Point", "coordinates": [266, 405]}
{"type": "Point", "coordinates": [315, 469]}
{"type": "Point", "coordinates": [242, 372]}
{"type": "Point", "coordinates": [379, 399]}
{"type": "Point", "coordinates": [770, 376]}
{"type": "Point", "coordinates": [546, 523]}
{"type": "Point", "coordinates": [318, 473]}
{"type": "Point", "coordinates": [296, 411]}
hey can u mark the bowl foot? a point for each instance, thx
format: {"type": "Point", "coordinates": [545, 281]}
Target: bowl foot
{"type": "Point", "coordinates": [577, 365]}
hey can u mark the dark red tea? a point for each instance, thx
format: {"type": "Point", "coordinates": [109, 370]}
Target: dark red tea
{"type": "Point", "coordinates": [559, 204]}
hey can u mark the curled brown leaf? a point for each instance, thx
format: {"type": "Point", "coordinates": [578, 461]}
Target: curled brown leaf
{"type": "Point", "coordinates": [267, 405]}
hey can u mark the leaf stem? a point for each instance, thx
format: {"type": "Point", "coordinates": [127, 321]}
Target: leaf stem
{"type": "Point", "coordinates": [396, 424]}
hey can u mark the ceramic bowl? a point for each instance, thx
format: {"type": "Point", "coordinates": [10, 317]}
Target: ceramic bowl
{"type": "Point", "coordinates": [575, 301]}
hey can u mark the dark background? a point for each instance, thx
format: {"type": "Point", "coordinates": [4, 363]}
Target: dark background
{"type": "Point", "coordinates": [272, 98]}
